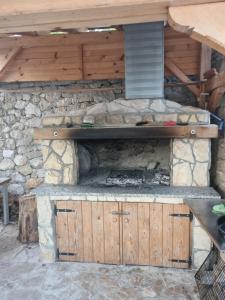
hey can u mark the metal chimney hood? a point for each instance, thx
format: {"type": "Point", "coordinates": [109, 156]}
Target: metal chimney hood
{"type": "Point", "coordinates": [144, 60]}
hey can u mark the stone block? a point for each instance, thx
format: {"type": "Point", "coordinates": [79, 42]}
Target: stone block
{"type": "Point", "coordinates": [132, 119]}
{"type": "Point", "coordinates": [115, 119]}
{"type": "Point", "coordinates": [68, 175]}
{"type": "Point", "coordinates": [53, 162]}
{"type": "Point", "coordinates": [201, 240]}
{"type": "Point", "coordinates": [24, 170]}
{"type": "Point", "coordinates": [201, 149]}
{"type": "Point", "coordinates": [198, 257]}
{"type": "Point", "coordinates": [53, 177]}
{"type": "Point", "coordinates": [33, 183]}
{"type": "Point", "coordinates": [158, 105]}
{"type": "Point", "coordinates": [16, 189]}
{"type": "Point", "coordinates": [32, 109]}
{"type": "Point", "coordinates": [20, 160]}
{"type": "Point", "coordinates": [100, 119]}
{"type": "Point", "coordinates": [182, 174]}
{"type": "Point", "coordinates": [183, 151]}
{"type": "Point", "coordinates": [183, 118]}
{"type": "Point", "coordinates": [68, 156]}
{"type": "Point", "coordinates": [45, 211]}
{"type": "Point", "coordinates": [160, 118]}
{"type": "Point", "coordinates": [201, 174]}
{"type": "Point", "coordinates": [203, 118]}
{"type": "Point", "coordinates": [52, 121]}
{"type": "Point", "coordinates": [8, 153]}
{"type": "Point", "coordinates": [6, 164]}
{"type": "Point", "coordinates": [36, 162]}
{"type": "Point", "coordinates": [58, 146]}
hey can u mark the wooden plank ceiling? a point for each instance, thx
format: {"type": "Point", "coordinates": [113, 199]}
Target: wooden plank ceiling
{"type": "Point", "coordinates": [83, 56]}
{"type": "Point", "coordinates": [204, 23]}
{"type": "Point", "coordinates": [27, 16]}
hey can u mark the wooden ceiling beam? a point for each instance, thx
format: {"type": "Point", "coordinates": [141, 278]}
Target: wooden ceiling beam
{"type": "Point", "coordinates": [42, 15]}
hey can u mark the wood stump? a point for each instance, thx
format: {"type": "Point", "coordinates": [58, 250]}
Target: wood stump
{"type": "Point", "coordinates": [28, 223]}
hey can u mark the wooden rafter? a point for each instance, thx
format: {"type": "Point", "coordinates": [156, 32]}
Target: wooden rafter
{"type": "Point", "coordinates": [181, 76]}
{"type": "Point", "coordinates": [7, 59]}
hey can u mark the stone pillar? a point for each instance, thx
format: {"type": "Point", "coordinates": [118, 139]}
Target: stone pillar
{"type": "Point", "coordinates": [46, 229]}
{"type": "Point", "coordinates": [190, 165]}
{"type": "Point", "coordinates": [60, 161]}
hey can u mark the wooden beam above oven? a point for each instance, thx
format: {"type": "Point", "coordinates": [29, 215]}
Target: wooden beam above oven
{"type": "Point", "coordinates": [142, 132]}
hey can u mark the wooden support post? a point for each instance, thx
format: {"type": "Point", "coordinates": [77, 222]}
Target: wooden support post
{"type": "Point", "coordinates": [205, 63]}
{"type": "Point", "coordinates": [181, 75]}
{"type": "Point", "coordinates": [217, 85]}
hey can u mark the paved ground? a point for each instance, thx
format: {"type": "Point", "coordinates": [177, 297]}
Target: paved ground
{"type": "Point", "coordinates": [24, 277]}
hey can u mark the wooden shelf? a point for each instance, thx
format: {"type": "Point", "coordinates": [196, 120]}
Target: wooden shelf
{"type": "Point", "coordinates": [142, 132]}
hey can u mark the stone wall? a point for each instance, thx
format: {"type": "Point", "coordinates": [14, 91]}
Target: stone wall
{"type": "Point", "coordinates": [21, 111]}
{"type": "Point", "coordinates": [20, 157]}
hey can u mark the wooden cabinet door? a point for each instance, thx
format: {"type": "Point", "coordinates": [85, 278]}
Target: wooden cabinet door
{"type": "Point", "coordinates": [88, 231]}
{"type": "Point", "coordinates": [155, 234]}
{"type": "Point", "coordinates": [69, 230]}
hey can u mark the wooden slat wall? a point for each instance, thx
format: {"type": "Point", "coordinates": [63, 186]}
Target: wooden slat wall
{"type": "Point", "coordinates": [86, 56]}
{"type": "Point", "coordinates": [145, 235]}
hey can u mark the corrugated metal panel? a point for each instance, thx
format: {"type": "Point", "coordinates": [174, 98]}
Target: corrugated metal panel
{"type": "Point", "coordinates": [144, 57]}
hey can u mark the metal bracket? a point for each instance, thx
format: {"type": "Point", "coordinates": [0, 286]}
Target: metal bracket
{"type": "Point", "coordinates": [120, 213]}
{"type": "Point", "coordinates": [190, 215]}
{"type": "Point", "coordinates": [182, 261]}
{"type": "Point", "coordinates": [56, 210]}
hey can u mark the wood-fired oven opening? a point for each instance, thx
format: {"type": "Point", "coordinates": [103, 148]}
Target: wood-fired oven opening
{"type": "Point", "coordinates": [124, 162]}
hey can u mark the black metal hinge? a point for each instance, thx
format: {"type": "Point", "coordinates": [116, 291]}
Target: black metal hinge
{"type": "Point", "coordinates": [58, 253]}
{"type": "Point", "coordinates": [56, 210]}
{"type": "Point", "coordinates": [182, 261]}
{"type": "Point", "coordinates": [190, 215]}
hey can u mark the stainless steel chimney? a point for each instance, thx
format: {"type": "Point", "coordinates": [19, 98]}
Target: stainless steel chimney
{"type": "Point", "coordinates": [144, 60]}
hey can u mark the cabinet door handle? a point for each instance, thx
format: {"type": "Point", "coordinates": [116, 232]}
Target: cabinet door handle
{"type": "Point", "coordinates": [120, 213]}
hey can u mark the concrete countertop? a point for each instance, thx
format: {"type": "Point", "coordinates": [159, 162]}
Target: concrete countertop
{"type": "Point", "coordinates": [153, 191]}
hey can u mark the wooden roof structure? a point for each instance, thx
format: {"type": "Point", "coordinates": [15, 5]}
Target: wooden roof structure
{"type": "Point", "coordinates": [101, 55]}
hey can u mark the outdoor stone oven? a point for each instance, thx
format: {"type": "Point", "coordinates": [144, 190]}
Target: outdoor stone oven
{"type": "Point", "coordinates": [187, 160]}
{"type": "Point", "coordinates": [72, 184]}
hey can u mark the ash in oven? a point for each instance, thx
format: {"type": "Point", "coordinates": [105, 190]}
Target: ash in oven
{"type": "Point", "coordinates": [158, 177]}
{"type": "Point", "coordinates": [138, 177]}
{"type": "Point", "coordinates": [126, 177]}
